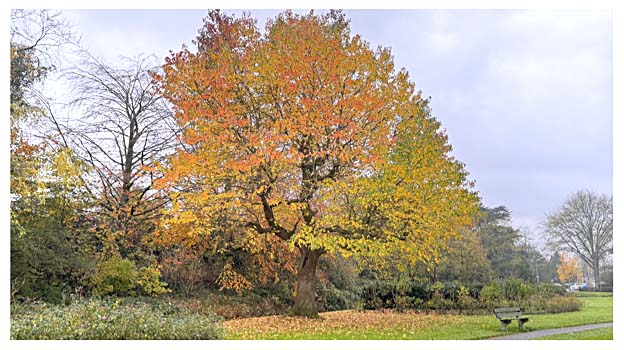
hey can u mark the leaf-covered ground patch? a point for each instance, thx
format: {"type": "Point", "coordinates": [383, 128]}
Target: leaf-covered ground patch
{"type": "Point", "coordinates": [353, 324]}
{"type": "Point", "coordinates": [348, 324]}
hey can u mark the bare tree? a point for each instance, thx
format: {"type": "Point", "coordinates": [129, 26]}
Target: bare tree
{"type": "Point", "coordinates": [40, 30]}
{"type": "Point", "coordinates": [38, 39]}
{"type": "Point", "coordinates": [584, 226]}
{"type": "Point", "coordinates": [124, 129]}
{"type": "Point", "coordinates": [37, 42]}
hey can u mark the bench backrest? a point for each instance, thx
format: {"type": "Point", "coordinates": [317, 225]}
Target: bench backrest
{"type": "Point", "coordinates": [507, 312]}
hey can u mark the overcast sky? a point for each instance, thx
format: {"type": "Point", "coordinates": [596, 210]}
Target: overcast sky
{"type": "Point", "coordinates": [525, 96]}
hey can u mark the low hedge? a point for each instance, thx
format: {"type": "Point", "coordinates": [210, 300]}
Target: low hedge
{"type": "Point", "coordinates": [118, 319]}
{"type": "Point", "coordinates": [453, 296]}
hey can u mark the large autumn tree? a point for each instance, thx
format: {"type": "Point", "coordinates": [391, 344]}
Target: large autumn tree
{"type": "Point", "coordinates": [306, 134]}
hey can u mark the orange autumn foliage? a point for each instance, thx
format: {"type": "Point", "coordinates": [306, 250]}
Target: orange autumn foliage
{"type": "Point", "coordinates": [306, 135]}
{"type": "Point", "coordinates": [569, 270]}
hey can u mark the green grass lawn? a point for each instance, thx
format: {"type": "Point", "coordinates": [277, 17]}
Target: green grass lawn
{"type": "Point", "coordinates": [592, 294]}
{"type": "Point", "coordinates": [410, 325]}
{"type": "Point", "coordinates": [594, 334]}
{"type": "Point", "coordinates": [595, 310]}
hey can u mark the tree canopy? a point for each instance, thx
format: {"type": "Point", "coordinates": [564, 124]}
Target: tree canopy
{"type": "Point", "coordinates": [306, 134]}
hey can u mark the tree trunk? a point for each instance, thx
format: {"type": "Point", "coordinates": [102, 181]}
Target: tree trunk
{"type": "Point", "coordinates": [305, 293]}
{"type": "Point", "coordinates": [596, 269]}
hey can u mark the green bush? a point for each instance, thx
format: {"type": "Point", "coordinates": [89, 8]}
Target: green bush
{"type": "Point", "coordinates": [403, 302]}
{"type": "Point", "coordinates": [231, 306]}
{"type": "Point", "coordinates": [532, 298]}
{"type": "Point", "coordinates": [561, 304]}
{"type": "Point", "coordinates": [330, 298]}
{"type": "Point", "coordinates": [111, 319]}
{"type": "Point", "coordinates": [387, 294]}
{"type": "Point", "coordinates": [515, 290]}
{"type": "Point", "coordinates": [117, 276]}
{"type": "Point", "coordinates": [150, 283]}
{"type": "Point", "coordinates": [468, 304]}
{"type": "Point", "coordinates": [402, 295]}
{"type": "Point", "coordinates": [492, 294]}
{"type": "Point", "coordinates": [51, 248]}
{"type": "Point", "coordinates": [438, 302]}
{"type": "Point", "coordinates": [511, 291]}
{"type": "Point", "coordinates": [548, 290]}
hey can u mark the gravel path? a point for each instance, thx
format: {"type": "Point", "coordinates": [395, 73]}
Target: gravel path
{"type": "Point", "coordinates": [545, 332]}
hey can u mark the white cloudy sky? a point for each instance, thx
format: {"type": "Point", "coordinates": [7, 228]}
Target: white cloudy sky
{"type": "Point", "coordinates": [525, 96]}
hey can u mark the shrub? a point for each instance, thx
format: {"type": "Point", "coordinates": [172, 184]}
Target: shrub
{"type": "Point", "coordinates": [375, 295]}
{"type": "Point", "coordinates": [419, 290]}
{"type": "Point", "coordinates": [402, 302]}
{"type": "Point", "coordinates": [56, 292]}
{"type": "Point", "coordinates": [562, 304]}
{"type": "Point", "coordinates": [546, 291]}
{"type": "Point", "coordinates": [117, 276]}
{"type": "Point", "coordinates": [111, 319]}
{"type": "Point", "coordinates": [114, 276]}
{"type": "Point", "coordinates": [437, 302]}
{"type": "Point", "coordinates": [330, 298]}
{"type": "Point", "coordinates": [474, 290]}
{"type": "Point", "coordinates": [402, 295]}
{"type": "Point", "coordinates": [511, 291]}
{"type": "Point", "coordinates": [150, 283]}
{"type": "Point", "coordinates": [418, 303]}
{"type": "Point", "coordinates": [492, 294]}
{"type": "Point", "coordinates": [515, 290]}
{"type": "Point", "coordinates": [533, 298]}
{"type": "Point", "coordinates": [231, 305]}
{"type": "Point", "coordinates": [468, 304]}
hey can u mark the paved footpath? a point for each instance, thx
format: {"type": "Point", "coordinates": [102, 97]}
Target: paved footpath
{"type": "Point", "coordinates": [546, 332]}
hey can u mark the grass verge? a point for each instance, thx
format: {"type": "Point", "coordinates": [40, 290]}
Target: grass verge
{"type": "Point", "coordinates": [593, 294]}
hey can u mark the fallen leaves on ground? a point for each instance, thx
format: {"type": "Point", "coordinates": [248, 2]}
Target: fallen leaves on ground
{"type": "Point", "coordinates": [348, 324]}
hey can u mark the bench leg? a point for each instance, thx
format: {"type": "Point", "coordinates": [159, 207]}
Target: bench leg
{"type": "Point", "coordinates": [504, 324]}
{"type": "Point", "coordinates": [521, 324]}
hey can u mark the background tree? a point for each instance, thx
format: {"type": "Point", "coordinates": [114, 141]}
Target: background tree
{"type": "Point", "coordinates": [306, 134]}
{"type": "Point", "coordinates": [584, 226]}
{"type": "Point", "coordinates": [465, 261]}
{"type": "Point", "coordinates": [50, 246]}
{"type": "Point", "coordinates": [607, 276]}
{"type": "Point", "coordinates": [534, 260]}
{"type": "Point", "coordinates": [548, 272]}
{"type": "Point", "coordinates": [38, 38]}
{"type": "Point", "coordinates": [122, 129]}
{"type": "Point", "coordinates": [504, 246]}
{"type": "Point", "coordinates": [569, 270]}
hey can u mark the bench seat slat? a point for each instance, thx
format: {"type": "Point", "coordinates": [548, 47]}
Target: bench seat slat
{"type": "Point", "coordinates": [507, 313]}
{"type": "Point", "coordinates": [507, 309]}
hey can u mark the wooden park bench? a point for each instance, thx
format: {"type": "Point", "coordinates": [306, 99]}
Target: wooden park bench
{"type": "Point", "coordinates": [507, 314]}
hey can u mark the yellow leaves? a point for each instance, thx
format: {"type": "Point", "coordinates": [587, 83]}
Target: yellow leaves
{"type": "Point", "coordinates": [569, 270]}
{"type": "Point", "coordinates": [349, 324]}
{"type": "Point", "coordinates": [66, 166]}
{"type": "Point", "coordinates": [230, 279]}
